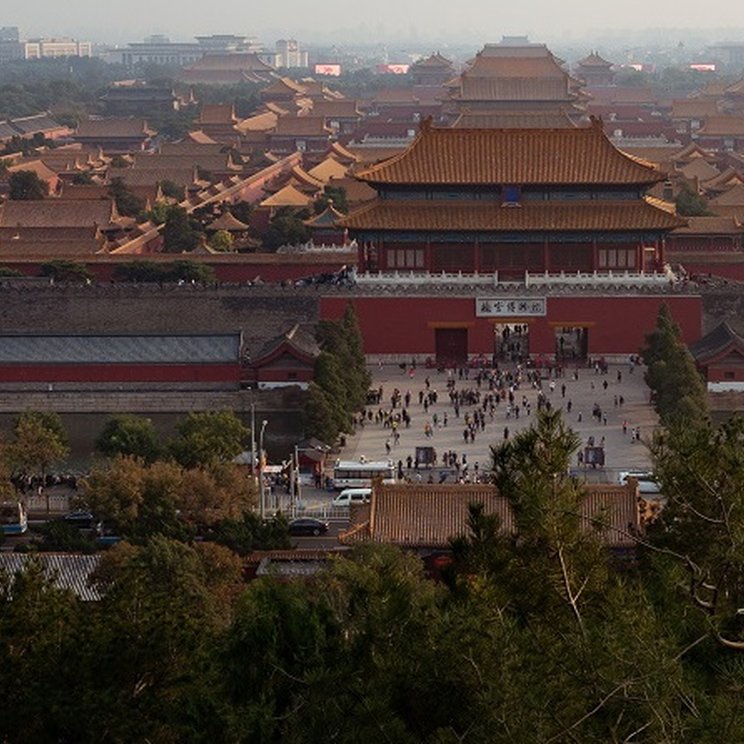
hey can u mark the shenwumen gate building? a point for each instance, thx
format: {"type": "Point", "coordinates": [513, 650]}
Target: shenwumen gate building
{"type": "Point", "coordinates": [513, 241]}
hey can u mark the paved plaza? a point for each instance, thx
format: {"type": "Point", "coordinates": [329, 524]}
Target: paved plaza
{"type": "Point", "coordinates": [591, 389]}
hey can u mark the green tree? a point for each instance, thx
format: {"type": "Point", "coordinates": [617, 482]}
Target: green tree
{"type": "Point", "coordinates": [27, 186]}
{"type": "Point", "coordinates": [83, 178]}
{"type": "Point", "coordinates": [355, 344]}
{"type": "Point", "coordinates": [209, 437]}
{"type": "Point", "coordinates": [180, 234]}
{"type": "Point", "coordinates": [39, 442]}
{"type": "Point", "coordinates": [64, 270]}
{"type": "Point", "coordinates": [59, 536]}
{"type": "Point", "coordinates": [330, 377]}
{"type": "Point", "coordinates": [126, 434]}
{"type": "Point", "coordinates": [140, 271]}
{"type": "Point", "coordinates": [691, 204]}
{"type": "Point", "coordinates": [335, 195]}
{"type": "Point", "coordinates": [286, 228]}
{"type": "Point", "coordinates": [163, 498]}
{"type": "Point", "coordinates": [559, 563]}
{"type": "Point", "coordinates": [320, 415]}
{"type": "Point", "coordinates": [701, 528]}
{"type": "Point", "coordinates": [222, 241]}
{"type": "Point", "coordinates": [9, 273]}
{"type": "Point", "coordinates": [40, 631]}
{"type": "Point", "coordinates": [165, 607]}
{"type": "Point", "coordinates": [250, 533]}
{"type": "Point", "coordinates": [242, 211]}
{"type": "Point", "coordinates": [159, 213]}
{"type": "Point", "coordinates": [185, 270]}
{"type": "Point", "coordinates": [128, 204]}
{"type": "Point", "coordinates": [172, 190]}
{"type": "Point", "coordinates": [678, 390]}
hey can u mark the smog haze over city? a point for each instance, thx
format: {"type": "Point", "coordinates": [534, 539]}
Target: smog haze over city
{"type": "Point", "coordinates": [385, 20]}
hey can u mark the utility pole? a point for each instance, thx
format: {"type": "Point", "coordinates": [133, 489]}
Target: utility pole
{"type": "Point", "coordinates": [297, 473]}
{"type": "Point", "coordinates": [261, 495]}
{"type": "Point", "coordinates": [253, 441]}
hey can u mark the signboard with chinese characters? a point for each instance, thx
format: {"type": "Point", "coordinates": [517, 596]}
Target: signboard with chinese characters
{"type": "Point", "coordinates": [506, 307]}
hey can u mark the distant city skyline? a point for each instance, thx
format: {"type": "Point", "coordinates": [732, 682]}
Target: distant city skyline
{"type": "Point", "coordinates": [385, 20]}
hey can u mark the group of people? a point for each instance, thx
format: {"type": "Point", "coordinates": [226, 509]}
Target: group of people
{"type": "Point", "coordinates": [477, 398]}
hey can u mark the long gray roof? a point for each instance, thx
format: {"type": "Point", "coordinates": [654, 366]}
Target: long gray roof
{"type": "Point", "coordinates": [68, 571]}
{"type": "Point", "coordinates": [120, 349]}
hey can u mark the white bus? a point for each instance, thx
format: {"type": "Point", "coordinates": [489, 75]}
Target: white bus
{"type": "Point", "coordinates": [13, 519]}
{"type": "Point", "coordinates": [359, 473]}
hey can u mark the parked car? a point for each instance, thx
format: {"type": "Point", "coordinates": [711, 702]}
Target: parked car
{"type": "Point", "coordinates": [647, 484]}
{"type": "Point", "coordinates": [81, 518]}
{"type": "Point", "coordinates": [307, 526]}
{"type": "Point", "coordinates": [350, 496]}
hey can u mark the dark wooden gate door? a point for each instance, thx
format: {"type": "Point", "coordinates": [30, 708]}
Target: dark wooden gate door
{"type": "Point", "coordinates": [451, 346]}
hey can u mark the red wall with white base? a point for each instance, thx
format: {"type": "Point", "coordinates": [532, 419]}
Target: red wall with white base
{"type": "Point", "coordinates": [617, 325]}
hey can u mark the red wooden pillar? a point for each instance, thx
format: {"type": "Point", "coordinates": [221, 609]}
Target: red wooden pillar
{"type": "Point", "coordinates": [477, 259]}
{"type": "Point", "coordinates": [595, 255]}
{"type": "Point", "coordinates": [546, 255]}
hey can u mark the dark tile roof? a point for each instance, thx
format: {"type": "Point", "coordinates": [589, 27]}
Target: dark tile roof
{"type": "Point", "coordinates": [126, 128]}
{"type": "Point", "coordinates": [300, 338]}
{"type": "Point", "coordinates": [144, 93]}
{"type": "Point", "coordinates": [245, 61]}
{"type": "Point", "coordinates": [181, 176]}
{"type": "Point", "coordinates": [49, 242]}
{"type": "Point", "coordinates": [217, 113]}
{"type": "Point", "coordinates": [722, 126]}
{"type": "Point", "coordinates": [6, 131]}
{"type": "Point", "coordinates": [67, 570]}
{"type": "Point", "coordinates": [37, 124]}
{"type": "Point", "coordinates": [56, 213]}
{"type": "Point", "coordinates": [694, 108]}
{"type": "Point", "coordinates": [209, 161]}
{"type": "Point", "coordinates": [301, 126]}
{"type": "Point", "coordinates": [344, 108]}
{"type": "Point", "coordinates": [514, 120]}
{"type": "Point", "coordinates": [191, 148]}
{"type": "Point", "coordinates": [593, 59]}
{"type": "Point", "coordinates": [120, 349]}
{"type": "Point", "coordinates": [716, 342]}
{"type": "Point", "coordinates": [84, 192]}
{"type": "Point", "coordinates": [710, 226]}
{"type": "Point", "coordinates": [435, 60]}
{"type": "Point", "coordinates": [477, 216]}
{"type": "Point", "coordinates": [422, 515]}
{"type": "Point", "coordinates": [430, 516]}
{"type": "Point", "coordinates": [583, 155]}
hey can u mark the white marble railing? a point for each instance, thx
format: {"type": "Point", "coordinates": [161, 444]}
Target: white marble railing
{"type": "Point", "coordinates": [595, 279]}
{"type": "Point", "coordinates": [425, 277]}
{"type": "Point", "coordinates": [600, 278]}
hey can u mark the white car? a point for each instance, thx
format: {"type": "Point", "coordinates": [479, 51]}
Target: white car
{"type": "Point", "coordinates": [647, 484]}
{"type": "Point", "coordinates": [350, 496]}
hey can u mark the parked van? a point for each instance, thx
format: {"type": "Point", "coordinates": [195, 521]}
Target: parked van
{"type": "Point", "coordinates": [647, 484]}
{"type": "Point", "coordinates": [350, 496]}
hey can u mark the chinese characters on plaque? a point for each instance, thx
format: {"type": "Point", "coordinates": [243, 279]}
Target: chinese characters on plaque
{"type": "Point", "coordinates": [503, 307]}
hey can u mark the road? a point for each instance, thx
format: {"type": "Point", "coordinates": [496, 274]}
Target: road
{"type": "Point", "coordinates": [323, 542]}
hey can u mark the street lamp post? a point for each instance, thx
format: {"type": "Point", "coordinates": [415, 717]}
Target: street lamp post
{"type": "Point", "coordinates": [253, 443]}
{"type": "Point", "coordinates": [262, 504]}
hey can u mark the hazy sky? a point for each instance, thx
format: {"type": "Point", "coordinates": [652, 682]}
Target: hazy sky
{"type": "Point", "coordinates": [368, 20]}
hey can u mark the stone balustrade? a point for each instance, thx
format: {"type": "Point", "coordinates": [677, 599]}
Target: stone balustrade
{"type": "Point", "coordinates": [566, 279]}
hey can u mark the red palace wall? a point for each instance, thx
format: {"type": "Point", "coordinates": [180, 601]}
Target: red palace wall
{"type": "Point", "coordinates": [224, 373]}
{"type": "Point", "coordinates": [616, 325]}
